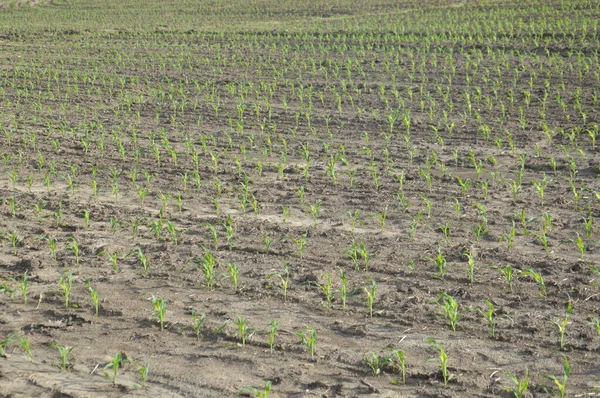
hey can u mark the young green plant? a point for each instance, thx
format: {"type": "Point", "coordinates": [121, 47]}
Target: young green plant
{"type": "Point", "coordinates": [442, 359]}
{"type": "Point", "coordinates": [117, 361]}
{"type": "Point", "coordinates": [160, 309]}
{"type": "Point", "coordinates": [561, 325]}
{"type": "Point", "coordinates": [370, 295]}
{"type": "Point", "coordinates": [66, 283]}
{"type": "Point", "coordinates": [308, 337]}
{"type": "Point", "coordinates": [520, 386]}
{"type": "Point", "coordinates": [561, 385]}
{"type": "Point", "coordinates": [285, 279]}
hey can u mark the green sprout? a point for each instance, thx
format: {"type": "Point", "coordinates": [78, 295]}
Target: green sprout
{"type": "Point", "coordinates": [538, 278]}
{"type": "Point", "coordinates": [244, 330]}
{"type": "Point", "coordinates": [561, 325]}
{"type": "Point", "coordinates": [520, 386]}
{"type": "Point", "coordinates": [117, 361]}
{"type": "Point", "coordinates": [23, 286]}
{"type": "Point", "coordinates": [285, 280]}
{"type": "Point", "coordinates": [234, 273]}
{"type": "Point", "coordinates": [197, 322]}
{"type": "Point", "coordinates": [370, 295]}
{"type": "Point", "coordinates": [442, 359]}
{"type": "Point", "coordinates": [308, 337]}
{"type": "Point", "coordinates": [66, 283]}
{"type": "Point", "coordinates": [449, 306]}
{"type": "Point", "coordinates": [561, 385]}
{"type": "Point", "coordinates": [93, 295]}
{"type": "Point", "coordinates": [64, 353]}
{"type": "Point", "coordinates": [160, 308]}
{"type": "Point", "coordinates": [272, 331]}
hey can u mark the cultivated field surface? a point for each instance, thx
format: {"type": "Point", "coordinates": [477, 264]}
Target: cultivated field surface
{"type": "Point", "coordinates": [299, 198]}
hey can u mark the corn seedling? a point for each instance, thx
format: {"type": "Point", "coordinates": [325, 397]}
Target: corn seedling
{"type": "Point", "coordinates": [315, 209]}
{"type": "Point", "coordinates": [595, 323]}
{"type": "Point", "coordinates": [142, 193]}
{"type": "Point", "coordinates": [160, 308]}
{"type": "Point", "coordinates": [480, 230]}
{"type": "Point", "coordinates": [470, 265]}
{"type": "Point", "coordinates": [285, 213]}
{"type": "Point", "coordinates": [135, 224]}
{"type": "Point", "coordinates": [588, 225]}
{"type": "Point", "coordinates": [93, 295]}
{"type": "Point", "coordinates": [66, 283]}
{"type": "Point", "coordinates": [114, 261]}
{"type": "Point", "coordinates": [375, 362]}
{"type": "Point", "coordinates": [23, 286]}
{"type": "Point", "coordinates": [26, 347]}
{"type": "Point", "coordinates": [540, 186]}
{"type": "Point", "coordinates": [115, 191]}
{"type": "Point", "coordinates": [381, 218]}
{"type": "Point", "coordinates": [264, 393]}
{"type": "Point", "coordinates": [254, 204]}
{"type": "Point", "coordinates": [370, 295]}
{"type": "Point", "coordinates": [520, 386]}
{"type": "Point", "coordinates": [156, 227]}
{"type": "Point", "coordinates": [403, 201]}
{"type": "Point", "coordinates": [581, 246]}
{"type": "Point", "coordinates": [115, 363]}
{"type": "Point", "coordinates": [308, 337]}
{"type": "Point", "coordinates": [144, 371]}
{"type": "Point", "coordinates": [285, 280]}
{"type": "Point", "coordinates": [490, 317]}
{"type": "Point", "coordinates": [327, 290]}
{"type": "Point", "coordinates": [197, 322]}
{"type": "Point", "coordinates": [272, 332]}
{"type": "Point", "coordinates": [229, 233]}
{"type": "Point", "coordinates": [542, 238]}
{"type": "Point", "coordinates": [11, 338]}
{"type": "Point", "coordinates": [507, 272]}
{"type": "Point", "coordinates": [464, 185]}
{"type": "Point", "coordinates": [445, 228]}
{"type": "Point", "coordinates": [208, 263]}
{"type": "Point", "coordinates": [561, 325]}
{"type": "Point", "coordinates": [243, 329]}
{"type": "Point", "coordinates": [12, 204]}
{"type": "Point", "coordinates": [509, 237]}
{"type": "Point", "coordinates": [267, 241]}
{"type": "Point", "coordinates": [561, 385]}
{"type": "Point", "coordinates": [144, 261]}
{"type": "Point", "coordinates": [344, 288]}
{"type": "Point", "coordinates": [86, 218]}
{"type": "Point", "coordinates": [449, 306]}
{"type": "Point", "coordinates": [234, 274]}
{"type": "Point", "coordinates": [442, 359]}
{"type": "Point", "coordinates": [362, 251]}
{"type": "Point", "coordinates": [440, 263]}
{"type": "Point", "coordinates": [52, 246]}
{"type": "Point", "coordinates": [427, 204]}
{"type": "Point", "coordinates": [352, 253]}
{"type": "Point", "coordinates": [300, 243]}
{"type": "Point", "coordinates": [74, 245]}
{"type": "Point", "coordinates": [300, 193]}
{"type": "Point", "coordinates": [114, 224]}
{"type": "Point", "coordinates": [179, 202]}
{"type": "Point", "coordinates": [64, 353]}
{"type": "Point", "coordinates": [538, 278]}
{"type": "Point", "coordinates": [15, 241]}
{"type": "Point", "coordinates": [175, 233]}
{"type": "Point", "coordinates": [39, 208]}
{"type": "Point", "coordinates": [397, 355]}
{"type": "Point", "coordinates": [214, 235]}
